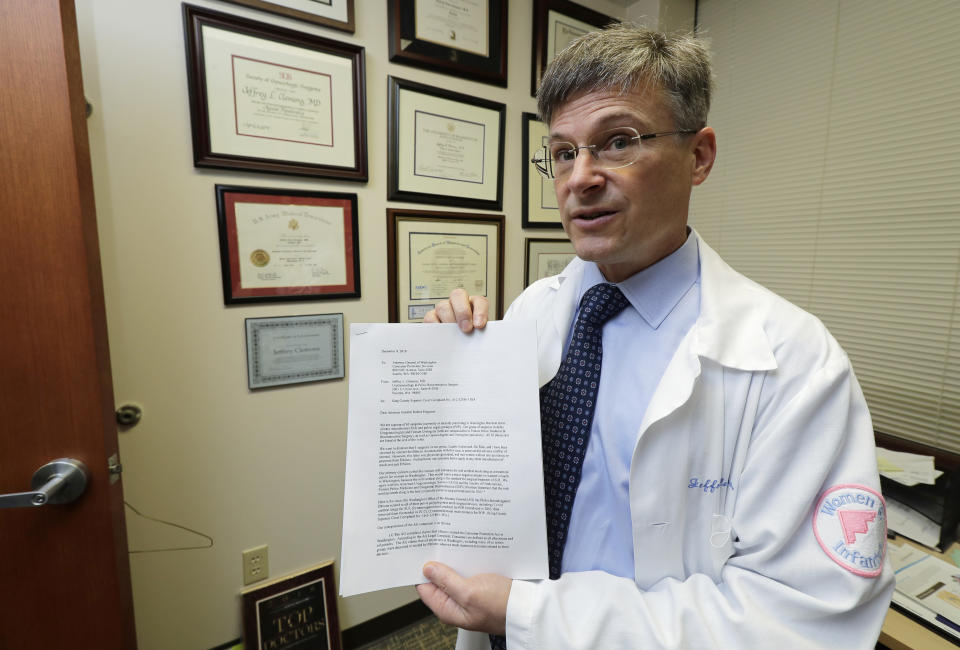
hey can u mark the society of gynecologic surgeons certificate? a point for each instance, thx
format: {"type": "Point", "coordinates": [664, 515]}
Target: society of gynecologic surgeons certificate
{"type": "Point", "coordinates": [443, 454]}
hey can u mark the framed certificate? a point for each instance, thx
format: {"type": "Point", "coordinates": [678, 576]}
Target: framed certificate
{"type": "Point", "coordinates": [444, 147]}
{"type": "Point", "coordinates": [546, 257]}
{"type": "Point", "coordinates": [265, 98]}
{"type": "Point", "coordinates": [280, 245]}
{"type": "Point", "coordinates": [337, 14]}
{"type": "Point", "coordinates": [540, 208]}
{"type": "Point", "coordinates": [429, 254]}
{"type": "Point", "coordinates": [301, 607]}
{"type": "Point", "coordinates": [555, 24]}
{"type": "Point", "coordinates": [294, 349]}
{"type": "Point", "coordinates": [465, 38]}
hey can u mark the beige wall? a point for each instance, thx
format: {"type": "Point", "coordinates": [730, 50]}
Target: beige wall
{"type": "Point", "coordinates": [245, 468]}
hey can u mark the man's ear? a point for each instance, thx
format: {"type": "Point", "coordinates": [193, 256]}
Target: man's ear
{"type": "Point", "coordinates": [704, 153]}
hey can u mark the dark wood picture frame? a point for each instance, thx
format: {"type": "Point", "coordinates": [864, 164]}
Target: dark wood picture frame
{"type": "Point", "coordinates": [305, 602]}
{"type": "Point", "coordinates": [204, 154]}
{"type": "Point", "coordinates": [398, 155]}
{"type": "Point", "coordinates": [534, 214]}
{"type": "Point", "coordinates": [231, 257]}
{"type": "Point", "coordinates": [530, 244]}
{"type": "Point", "coordinates": [455, 219]}
{"type": "Point", "coordinates": [407, 49]}
{"type": "Point", "coordinates": [541, 9]}
{"type": "Point", "coordinates": [347, 25]}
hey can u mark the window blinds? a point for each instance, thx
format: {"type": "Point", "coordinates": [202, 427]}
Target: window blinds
{"type": "Point", "coordinates": [837, 184]}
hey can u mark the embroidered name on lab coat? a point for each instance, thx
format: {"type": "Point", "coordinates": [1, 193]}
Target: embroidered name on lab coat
{"type": "Point", "coordinates": [709, 485]}
{"type": "Point", "coordinates": [850, 523]}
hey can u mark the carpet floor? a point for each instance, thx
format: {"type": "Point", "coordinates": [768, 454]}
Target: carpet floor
{"type": "Point", "coordinates": [426, 634]}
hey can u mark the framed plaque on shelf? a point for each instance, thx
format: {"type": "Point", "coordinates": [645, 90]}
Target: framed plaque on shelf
{"type": "Point", "coordinates": [444, 147]}
{"type": "Point", "coordinates": [546, 257]}
{"type": "Point", "coordinates": [294, 349]}
{"type": "Point", "coordinates": [264, 98]}
{"type": "Point", "coordinates": [540, 208]}
{"type": "Point", "coordinates": [278, 245]}
{"type": "Point", "coordinates": [337, 14]}
{"type": "Point", "coordinates": [300, 607]}
{"type": "Point", "coordinates": [429, 254]}
{"type": "Point", "coordinates": [463, 38]}
{"type": "Point", "coordinates": [555, 24]}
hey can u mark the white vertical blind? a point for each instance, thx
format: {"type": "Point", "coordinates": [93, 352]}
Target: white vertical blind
{"type": "Point", "coordinates": [837, 184]}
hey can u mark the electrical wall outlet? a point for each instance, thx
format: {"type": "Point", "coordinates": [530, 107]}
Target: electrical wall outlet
{"type": "Point", "coordinates": [255, 565]}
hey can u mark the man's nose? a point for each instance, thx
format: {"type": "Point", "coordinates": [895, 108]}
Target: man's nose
{"type": "Point", "coordinates": [584, 175]}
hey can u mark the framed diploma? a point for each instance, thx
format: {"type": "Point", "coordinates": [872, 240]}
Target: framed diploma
{"type": "Point", "coordinates": [466, 38]}
{"type": "Point", "coordinates": [546, 257]}
{"type": "Point", "coordinates": [540, 208]}
{"type": "Point", "coordinates": [429, 254]}
{"type": "Point", "coordinates": [337, 14]}
{"type": "Point", "coordinates": [555, 24]}
{"type": "Point", "coordinates": [280, 245]}
{"type": "Point", "coordinates": [294, 349]}
{"type": "Point", "coordinates": [444, 147]}
{"type": "Point", "coordinates": [265, 98]}
{"type": "Point", "coordinates": [296, 611]}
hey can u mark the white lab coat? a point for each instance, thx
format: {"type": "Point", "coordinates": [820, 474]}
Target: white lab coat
{"type": "Point", "coordinates": [759, 394]}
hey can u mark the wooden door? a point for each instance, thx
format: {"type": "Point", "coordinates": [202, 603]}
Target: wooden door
{"type": "Point", "coordinates": [65, 573]}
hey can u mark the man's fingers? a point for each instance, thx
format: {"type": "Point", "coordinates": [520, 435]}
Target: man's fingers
{"type": "Point", "coordinates": [435, 597]}
{"type": "Point", "coordinates": [481, 310]}
{"type": "Point", "coordinates": [462, 309]}
{"type": "Point", "coordinates": [443, 577]}
{"type": "Point", "coordinates": [466, 311]}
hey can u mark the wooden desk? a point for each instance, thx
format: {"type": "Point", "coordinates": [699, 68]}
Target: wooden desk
{"type": "Point", "coordinates": [900, 632]}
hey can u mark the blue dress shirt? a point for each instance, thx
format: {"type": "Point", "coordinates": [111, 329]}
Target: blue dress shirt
{"type": "Point", "coordinates": [638, 344]}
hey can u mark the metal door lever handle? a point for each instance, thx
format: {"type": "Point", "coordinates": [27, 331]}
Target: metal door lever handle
{"type": "Point", "coordinates": [59, 481]}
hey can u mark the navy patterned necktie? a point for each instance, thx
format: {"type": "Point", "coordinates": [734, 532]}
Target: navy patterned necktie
{"type": "Point", "coordinates": [566, 415]}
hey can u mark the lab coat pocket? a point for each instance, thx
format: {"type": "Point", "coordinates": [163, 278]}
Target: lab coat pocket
{"type": "Point", "coordinates": [721, 542]}
{"type": "Point", "coordinates": [657, 553]}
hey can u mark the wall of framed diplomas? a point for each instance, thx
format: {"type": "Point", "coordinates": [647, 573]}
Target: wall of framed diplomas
{"type": "Point", "coordinates": [266, 173]}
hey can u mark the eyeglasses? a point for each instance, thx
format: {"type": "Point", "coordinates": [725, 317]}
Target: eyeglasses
{"type": "Point", "coordinates": [611, 149]}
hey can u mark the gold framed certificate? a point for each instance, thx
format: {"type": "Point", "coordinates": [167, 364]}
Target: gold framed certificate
{"type": "Point", "coordinates": [429, 254]}
{"type": "Point", "coordinates": [540, 209]}
{"type": "Point", "coordinates": [278, 245]}
{"type": "Point", "coordinates": [265, 98]}
{"type": "Point", "coordinates": [555, 24]}
{"type": "Point", "coordinates": [465, 38]}
{"type": "Point", "coordinates": [444, 147]}
{"type": "Point", "coordinates": [546, 257]}
{"type": "Point", "coordinates": [337, 14]}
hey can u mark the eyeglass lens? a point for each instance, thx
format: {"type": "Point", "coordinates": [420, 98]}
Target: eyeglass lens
{"type": "Point", "coordinates": [610, 149]}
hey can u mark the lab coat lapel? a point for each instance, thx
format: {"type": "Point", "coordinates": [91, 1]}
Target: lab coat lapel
{"type": "Point", "coordinates": [553, 331]}
{"type": "Point", "coordinates": [729, 331]}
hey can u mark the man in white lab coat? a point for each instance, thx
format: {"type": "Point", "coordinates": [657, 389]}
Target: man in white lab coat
{"type": "Point", "coordinates": [729, 495]}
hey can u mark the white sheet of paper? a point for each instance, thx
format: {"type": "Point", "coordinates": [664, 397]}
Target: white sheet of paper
{"type": "Point", "coordinates": [912, 524]}
{"type": "Point", "coordinates": [908, 469]}
{"type": "Point", "coordinates": [443, 454]}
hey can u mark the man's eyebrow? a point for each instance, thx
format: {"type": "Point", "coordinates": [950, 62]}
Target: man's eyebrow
{"type": "Point", "coordinates": [620, 118]}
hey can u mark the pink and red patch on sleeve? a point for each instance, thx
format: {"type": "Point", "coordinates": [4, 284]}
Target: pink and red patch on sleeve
{"type": "Point", "coordinates": [850, 523]}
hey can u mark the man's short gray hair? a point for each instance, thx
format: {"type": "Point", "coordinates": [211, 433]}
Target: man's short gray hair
{"type": "Point", "coordinates": [625, 57]}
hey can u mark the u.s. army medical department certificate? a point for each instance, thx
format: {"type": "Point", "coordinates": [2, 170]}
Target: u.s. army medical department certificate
{"type": "Point", "coordinates": [443, 454]}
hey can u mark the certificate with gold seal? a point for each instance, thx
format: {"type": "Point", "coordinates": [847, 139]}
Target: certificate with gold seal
{"type": "Point", "coordinates": [287, 244]}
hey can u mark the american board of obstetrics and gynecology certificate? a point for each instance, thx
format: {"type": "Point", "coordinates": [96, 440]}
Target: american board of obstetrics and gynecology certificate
{"type": "Point", "coordinates": [443, 454]}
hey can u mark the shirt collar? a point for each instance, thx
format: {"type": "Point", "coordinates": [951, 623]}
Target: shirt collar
{"type": "Point", "coordinates": [656, 290]}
